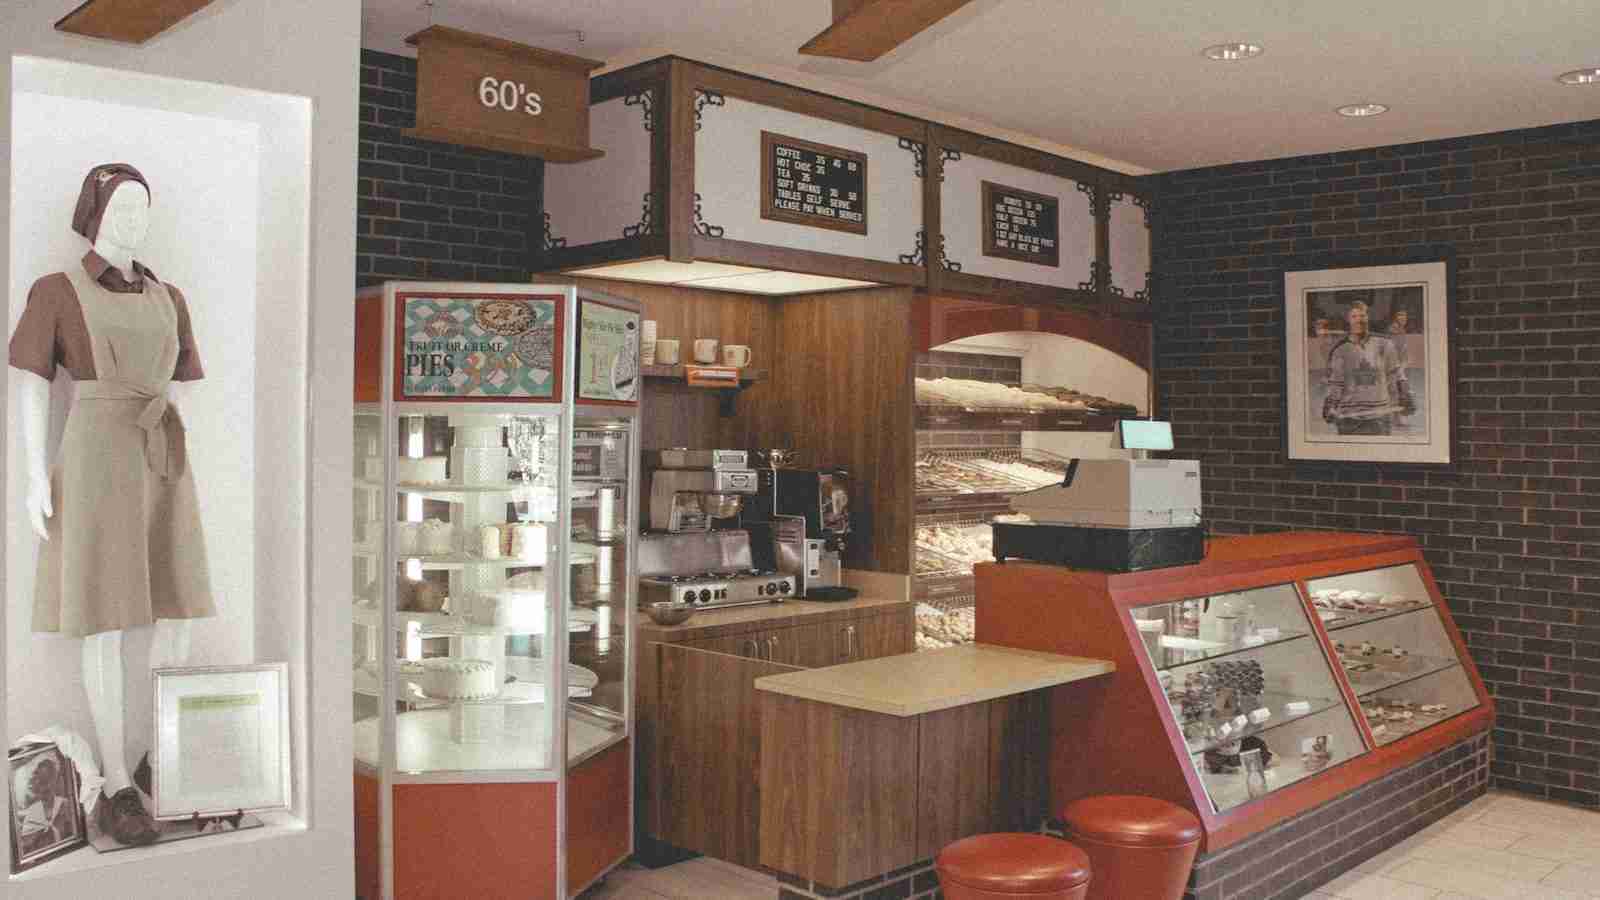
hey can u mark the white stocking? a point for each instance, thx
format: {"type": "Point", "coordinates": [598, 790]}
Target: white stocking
{"type": "Point", "coordinates": [102, 681]}
{"type": "Point", "coordinates": [169, 646]}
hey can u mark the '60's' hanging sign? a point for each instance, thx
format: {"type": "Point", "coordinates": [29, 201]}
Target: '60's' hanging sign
{"type": "Point", "coordinates": [482, 91]}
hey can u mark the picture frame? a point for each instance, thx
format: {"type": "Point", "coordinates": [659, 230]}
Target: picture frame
{"type": "Point", "coordinates": [46, 818]}
{"type": "Point", "coordinates": [1388, 396]}
{"type": "Point", "coordinates": [222, 740]}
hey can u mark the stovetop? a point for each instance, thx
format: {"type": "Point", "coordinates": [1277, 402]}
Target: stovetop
{"type": "Point", "coordinates": [720, 588]}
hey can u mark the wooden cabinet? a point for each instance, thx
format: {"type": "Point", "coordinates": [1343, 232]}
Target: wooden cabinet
{"type": "Point", "coordinates": [699, 716]}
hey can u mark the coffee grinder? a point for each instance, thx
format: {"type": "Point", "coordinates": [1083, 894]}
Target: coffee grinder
{"type": "Point", "coordinates": [808, 511]}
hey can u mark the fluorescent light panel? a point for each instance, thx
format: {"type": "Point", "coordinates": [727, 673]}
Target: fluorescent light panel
{"type": "Point", "coordinates": [722, 277]}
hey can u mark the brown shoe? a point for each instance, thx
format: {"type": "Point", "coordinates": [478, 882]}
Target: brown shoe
{"type": "Point", "coordinates": [123, 816]}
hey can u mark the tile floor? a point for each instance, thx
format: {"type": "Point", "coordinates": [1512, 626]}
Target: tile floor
{"type": "Point", "coordinates": [1500, 847]}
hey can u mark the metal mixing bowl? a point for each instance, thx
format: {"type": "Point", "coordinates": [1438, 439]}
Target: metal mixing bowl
{"type": "Point", "coordinates": [670, 613]}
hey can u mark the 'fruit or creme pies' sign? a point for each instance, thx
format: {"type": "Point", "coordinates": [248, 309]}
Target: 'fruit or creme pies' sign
{"type": "Point", "coordinates": [1021, 225]}
{"type": "Point", "coordinates": [481, 91]}
{"type": "Point", "coordinates": [806, 183]}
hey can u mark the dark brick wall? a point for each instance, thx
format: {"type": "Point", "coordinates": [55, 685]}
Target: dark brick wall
{"type": "Point", "coordinates": [1513, 530]}
{"type": "Point", "coordinates": [1303, 853]}
{"type": "Point", "coordinates": [434, 211]}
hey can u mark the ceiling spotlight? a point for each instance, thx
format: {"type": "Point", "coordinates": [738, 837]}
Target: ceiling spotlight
{"type": "Point", "coordinates": [1231, 52]}
{"type": "Point", "coordinates": [1362, 110]}
{"type": "Point", "coordinates": [1580, 76]}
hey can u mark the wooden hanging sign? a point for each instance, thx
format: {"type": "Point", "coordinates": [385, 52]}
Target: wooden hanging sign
{"type": "Point", "coordinates": [481, 91]}
{"type": "Point", "coordinates": [128, 21]}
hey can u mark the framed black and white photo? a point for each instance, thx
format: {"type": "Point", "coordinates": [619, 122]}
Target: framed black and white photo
{"type": "Point", "coordinates": [46, 820]}
{"type": "Point", "coordinates": [1367, 363]}
{"type": "Point", "coordinates": [222, 740]}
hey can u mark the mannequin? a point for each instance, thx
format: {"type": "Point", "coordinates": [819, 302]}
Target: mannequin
{"type": "Point", "coordinates": [116, 222]}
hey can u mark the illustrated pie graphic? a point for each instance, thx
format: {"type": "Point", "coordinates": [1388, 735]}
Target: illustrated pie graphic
{"type": "Point", "coordinates": [441, 326]}
{"type": "Point", "coordinates": [506, 317]}
{"type": "Point", "coordinates": [536, 346]}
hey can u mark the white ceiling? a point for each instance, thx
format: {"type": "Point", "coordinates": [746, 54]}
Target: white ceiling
{"type": "Point", "coordinates": [1120, 84]}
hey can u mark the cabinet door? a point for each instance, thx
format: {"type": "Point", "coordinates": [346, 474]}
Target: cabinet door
{"type": "Point", "coordinates": [877, 636]}
{"type": "Point", "coordinates": [808, 646]}
{"type": "Point", "coordinates": [750, 645]}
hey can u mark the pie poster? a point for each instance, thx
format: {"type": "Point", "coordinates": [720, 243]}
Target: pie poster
{"type": "Point", "coordinates": [608, 353]}
{"type": "Point", "coordinates": [486, 347]}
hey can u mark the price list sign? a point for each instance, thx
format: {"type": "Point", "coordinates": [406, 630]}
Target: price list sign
{"type": "Point", "coordinates": [1021, 225]}
{"type": "Point", "coordinates": [806, 183]}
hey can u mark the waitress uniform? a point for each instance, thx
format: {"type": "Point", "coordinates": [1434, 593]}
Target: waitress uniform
{"type": "Point", "coordinates": [125, 544]}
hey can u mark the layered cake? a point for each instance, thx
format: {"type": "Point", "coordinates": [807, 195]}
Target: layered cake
{"type": "Point", "coordinates": [426, 469]}
{"type": "Point", "coordinates": [450, 678]}
{"type": "Point", "coordinates": [480, 465]}
{"type": "Point", "coordinates": [529, 541]}
{"type": "Point", "coordinates": [436, 538]}
{"type": "Point", "coordinates": [510, 608]}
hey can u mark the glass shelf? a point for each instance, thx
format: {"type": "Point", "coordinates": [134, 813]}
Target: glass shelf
{"type": "Point", "coordinates": [1209, 651]}
{"type": "Point", "coordinates": [444, 625]}
{"type": "Point", "coordinates": [1227, 790]}
{"type": "Point", "coordinates": [1345, 620]}
{"type": "Point", "coordinates": [440, 490]}
{"type": "Point", "coordinates": [581, 555]}
{"type": "Point", "coordinates": [1394, 731]}
{"type": "Point", "coordinates": [1378, 680]}
{"type": "Point", "coordinates": [1277, 703]}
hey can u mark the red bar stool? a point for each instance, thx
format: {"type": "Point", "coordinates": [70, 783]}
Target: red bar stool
{"type": "Point", "coordinates": [1139, 846]}
{"type": "Point", "coordinates": [1012, 867]}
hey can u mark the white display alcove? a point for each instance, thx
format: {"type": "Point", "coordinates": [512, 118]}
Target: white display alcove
{"type": "Point", "coordinates": [230, 176]}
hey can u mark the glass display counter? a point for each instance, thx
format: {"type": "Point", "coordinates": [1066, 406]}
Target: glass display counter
{"type": "Point", "coordinates": [494, 513]}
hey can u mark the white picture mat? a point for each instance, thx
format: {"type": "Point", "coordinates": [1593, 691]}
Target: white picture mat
{"type": "Point", "coordinates": [1297, 362]}
{"type": "Point", "coordinates": [222, 740]}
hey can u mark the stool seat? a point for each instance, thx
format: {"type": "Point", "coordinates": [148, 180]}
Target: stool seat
{"type": "Point", "coordinates": [1013, 864]}
{"type": "Point", "coordinates": [1131, 821]}
{"type": "Point", "coordinates": [1140, 847]}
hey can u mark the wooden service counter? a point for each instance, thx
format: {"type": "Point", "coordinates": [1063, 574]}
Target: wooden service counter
{"type": "Point", "coordinates": [698, 720]}
{"type": "Point", "coordinates": [871, 767]}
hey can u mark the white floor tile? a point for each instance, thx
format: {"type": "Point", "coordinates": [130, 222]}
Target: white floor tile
{"type": "Point", "coordinates": [1447, 851]}
{"type": "Point", "coordinates": [1474, 883]}
{"type": "Point", "coordinates": [1364, 886]}
{"type": "Point", "coordinates": [1581, 879]}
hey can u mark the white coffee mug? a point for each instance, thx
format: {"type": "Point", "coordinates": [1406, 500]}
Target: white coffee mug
{"type": "Point", "coordinates": [705, 351]}
{"type": "Point", "coordinates": [736, 355]}
{"type": "Point", "coordinates": [666, 352]}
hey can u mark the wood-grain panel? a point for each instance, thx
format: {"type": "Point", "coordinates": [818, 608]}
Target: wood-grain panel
{"type": "Point", "coordinates": [1019, 761]}
{"type": "Point", "coordinates": [841, 803]}
{"type": "Point", "coordinates": [368, 831]}
{"type": "Point", "coordinates": [128, 21]}
{"type": "Point", "coordinates": [711, 718]}
{"type": "Point", "coordinates": [598, 833]}
{"type": "Point", "coordinates": [369, 349]}
{"type": "Point", "coordinates": [941, 318]}
{"type": "Point", "coordinates": [842, 393]}
{"type": "Point", "coordinates": [953, 757]}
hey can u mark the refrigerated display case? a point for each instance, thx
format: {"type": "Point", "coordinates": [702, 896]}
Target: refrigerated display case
{"type": "Point", "coordinates": [1282, 671]}
{"type": "Point", "coordinates": [496, 457]}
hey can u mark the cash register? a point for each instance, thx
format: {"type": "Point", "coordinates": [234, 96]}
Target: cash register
{"type": "Point", "coordinates": [1117, 515]}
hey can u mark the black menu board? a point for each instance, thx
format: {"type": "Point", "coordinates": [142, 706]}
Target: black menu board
{"type": "Point", "coordinates": [1021, 225]}
{"type": "Point", "coordinates": [806, 183]}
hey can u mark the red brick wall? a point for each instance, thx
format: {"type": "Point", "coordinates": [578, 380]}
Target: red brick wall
{"type": "Point", "coordinates": [1513, 531]}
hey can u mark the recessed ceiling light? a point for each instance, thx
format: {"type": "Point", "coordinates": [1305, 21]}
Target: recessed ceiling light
{"type": "Point", "coordinates": [1580, 76]}
{"type": "Point", "coordinates": [1361, 110]}
{"type": "Point", "coordinates": [1231, 52]}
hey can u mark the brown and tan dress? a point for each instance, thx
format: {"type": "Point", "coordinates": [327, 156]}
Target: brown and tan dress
{"type": "Point", "coordinates": [125, 544]}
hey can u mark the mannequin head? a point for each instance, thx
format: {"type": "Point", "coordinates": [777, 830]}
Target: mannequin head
{"type": "Point", "coordinates": [125, 219]}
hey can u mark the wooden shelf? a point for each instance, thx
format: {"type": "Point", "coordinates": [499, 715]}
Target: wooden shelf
{"type": "Point", "coordinates": [746, 375]}
{"type": "Point", "coordinates": [956, 418]}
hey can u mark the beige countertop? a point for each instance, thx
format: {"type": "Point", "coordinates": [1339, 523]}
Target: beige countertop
{"type": "Point", "coordinates": [914, 683]}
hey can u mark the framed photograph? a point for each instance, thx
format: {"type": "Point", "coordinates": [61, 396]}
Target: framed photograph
{"type": "Point", "coordinates": [222, 740]}
{"type": "Point", "coordinates": [1368, 363]}
{"type": "Point", "coordinates": [46, 820]}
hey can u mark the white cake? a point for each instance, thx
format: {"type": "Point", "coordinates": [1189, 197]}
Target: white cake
{"type": "Point", "coordinates": [424, 469]}
{"type": "Point", "coordinates": [529, 541]}
{"type": "Point", "coordinates": [450, 678]}
{"type": "Point", "coordinates": [510, 608]}
{"type": "Point", "coordinates": [436, 538]}
{"type": "Point", "coordinates": [480, 465]}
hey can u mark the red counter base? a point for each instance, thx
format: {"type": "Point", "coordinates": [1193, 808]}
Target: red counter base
{"type": "Point", "coordinates": [461, 840]}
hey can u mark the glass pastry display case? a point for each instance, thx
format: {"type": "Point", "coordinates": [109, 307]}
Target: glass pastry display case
{"type": "Point", "coordinates": [1282, 671]}
{"type": "Point", "coordinates": [496, 457]}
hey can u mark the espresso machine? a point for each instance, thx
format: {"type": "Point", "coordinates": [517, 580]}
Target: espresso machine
{"type": "Point", "coordinates": [808, 512]}
{"type": "Point", "coordinates": [696, 550]}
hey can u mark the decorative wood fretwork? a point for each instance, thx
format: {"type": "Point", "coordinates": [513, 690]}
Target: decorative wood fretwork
{"type": "Point", "coordinates": [918, 255]}
{"type": "Point", "coordinates": [701, 226]}
{"type": "Point", "coordinates": [704, 98]}
{"type": "Point", "coordinates": [919, 153]}
{"type": "Point", "coordinates": [646, 100]}
{"type": "Point", "coordinates": [551, 242]}
{"type": "Point", "coordinates": [646, 220]}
